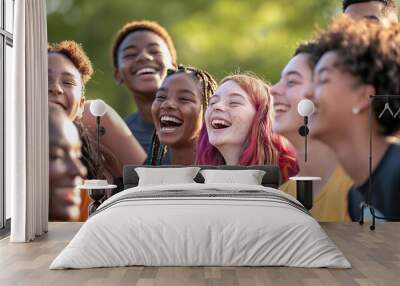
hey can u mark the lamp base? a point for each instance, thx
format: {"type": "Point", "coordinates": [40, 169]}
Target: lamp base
{"type": "Point", "coordinates": [303, 131]}
{"type": "Point", "coordinates": [372, 210]}
{"type": "Point", "coordinates": [374, 216]}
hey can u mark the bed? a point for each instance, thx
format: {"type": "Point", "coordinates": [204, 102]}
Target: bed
{"type": "Point", "coordinates": [201, 223]}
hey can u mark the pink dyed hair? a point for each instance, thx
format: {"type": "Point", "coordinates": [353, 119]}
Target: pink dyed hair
{"type": "Point", "coordinates": [263, 147]}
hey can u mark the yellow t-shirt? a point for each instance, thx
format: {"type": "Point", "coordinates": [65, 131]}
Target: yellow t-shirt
{"type": "Point", "coordinates": [331, 204]}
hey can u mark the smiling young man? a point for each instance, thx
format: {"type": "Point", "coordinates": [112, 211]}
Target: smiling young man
{"type": "Point", "coordinates": [330, 194]}
{"type": "Point", "coordinates": [142, 53]}
{"type": "Point", "coordinates": [383, 11]}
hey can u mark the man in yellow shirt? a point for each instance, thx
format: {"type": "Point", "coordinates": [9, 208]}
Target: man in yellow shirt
{"type": "Point", "coordinates": [330, 194]}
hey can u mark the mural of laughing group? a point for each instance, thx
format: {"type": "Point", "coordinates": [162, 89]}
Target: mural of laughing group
{"type": "Point", "coordinates": [348, 71]}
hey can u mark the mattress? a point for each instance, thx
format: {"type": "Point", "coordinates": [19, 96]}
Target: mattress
{"type": "Point", "coordinates": [201, 225]}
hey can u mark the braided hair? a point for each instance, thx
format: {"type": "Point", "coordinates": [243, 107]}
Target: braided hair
{"type": "Point", "coordinates": [209, 85]}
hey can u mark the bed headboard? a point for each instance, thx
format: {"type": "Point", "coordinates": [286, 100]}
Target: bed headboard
{"type": "Point", "coordinates": [271, 178]}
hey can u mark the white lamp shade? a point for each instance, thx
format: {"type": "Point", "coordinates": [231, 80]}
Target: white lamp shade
{"type": "Point", "coordinates": [98, 107]}
{"type": "Point", "coordinates": [305, 107]}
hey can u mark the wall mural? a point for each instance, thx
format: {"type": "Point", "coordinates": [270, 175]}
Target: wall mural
{"type": "Point", "coordinates": [211, 112]}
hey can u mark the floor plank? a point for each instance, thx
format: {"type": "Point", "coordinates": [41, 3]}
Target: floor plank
{"type": "Point", "coordinates": [374, 255]}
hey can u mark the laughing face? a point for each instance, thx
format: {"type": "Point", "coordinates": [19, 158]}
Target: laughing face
{"type": "Point", "coordinates": [143, 60]}
{"type": "Point", "coordinates": [229, 116]}
{"type": "Point", "coordinates": [65, 85]}
{"type": "Point", "coordinates": [65, 168]}
{"type": "Point", "coordinates": [294, 83]}
{"type": "Point", "coordinates": [177, 110]}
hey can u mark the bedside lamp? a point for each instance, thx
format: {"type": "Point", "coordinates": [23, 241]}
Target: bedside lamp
{"type": "Point", "coordinates": [304, 185]}
{"type": "Point", "coordinates": [96, 187]}
{"type": "Point", "coordinates": [98, 109]}
{"type": "Point", "coordinates": [305, 108]}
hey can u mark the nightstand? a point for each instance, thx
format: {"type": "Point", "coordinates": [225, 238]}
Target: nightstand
{"type": "Point", "coordinates": [304, 190]}
{"type": "Point", "coordinates": [96, 193]}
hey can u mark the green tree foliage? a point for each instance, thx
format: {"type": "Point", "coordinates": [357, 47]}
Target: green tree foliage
{"type": "Point", "coordinates": [221, 36]}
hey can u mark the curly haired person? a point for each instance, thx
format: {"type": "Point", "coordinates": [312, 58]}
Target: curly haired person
{"type": "Point", "coordinates": [357, 60]}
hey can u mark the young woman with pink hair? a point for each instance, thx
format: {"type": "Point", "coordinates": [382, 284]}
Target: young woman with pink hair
{"type": "Point", "coordinates": [238, 128]}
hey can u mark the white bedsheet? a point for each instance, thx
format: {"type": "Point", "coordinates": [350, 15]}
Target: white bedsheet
{"type": "Point", "coordinates": [200, 231]}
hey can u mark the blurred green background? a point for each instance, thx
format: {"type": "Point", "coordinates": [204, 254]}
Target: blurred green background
{"type": "Point", "coordinates": [221, 36]}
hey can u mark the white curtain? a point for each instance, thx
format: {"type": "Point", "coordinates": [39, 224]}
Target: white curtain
{"type": "Point", "coordinates": [27, 124]}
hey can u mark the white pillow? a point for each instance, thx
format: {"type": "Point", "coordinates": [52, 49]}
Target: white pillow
{"type": "Point", "coordinates": [163, 176]}
{"type": "Point", "coordinates": [248, 177]}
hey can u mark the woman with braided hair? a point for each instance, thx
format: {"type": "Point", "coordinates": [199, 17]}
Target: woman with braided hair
{"type": "Point", "coordinates": [177, 112]}
{"type": "Point", "coordinates": [238, 128]}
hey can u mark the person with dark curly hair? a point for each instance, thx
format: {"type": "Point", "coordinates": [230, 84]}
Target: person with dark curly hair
{"type": "Point", "coordinates": [69, 69]}
{"type": "Point", "coordinates": [178, 114]}
{"type": "Point", "coordinates": [142, 53]}
{"type": "Point", "coordinates": [359, 59]}
{"type": "Point", "coordinates": [383, 11]}
{"type": "Point", "coordinates": [330, 194]}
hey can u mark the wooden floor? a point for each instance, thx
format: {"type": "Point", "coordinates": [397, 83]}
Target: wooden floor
{"type": "Point", "coordinates": [375, 257]}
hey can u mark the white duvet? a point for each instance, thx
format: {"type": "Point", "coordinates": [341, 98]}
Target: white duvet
{"type": "Point", "coordinates": [189, 230]}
